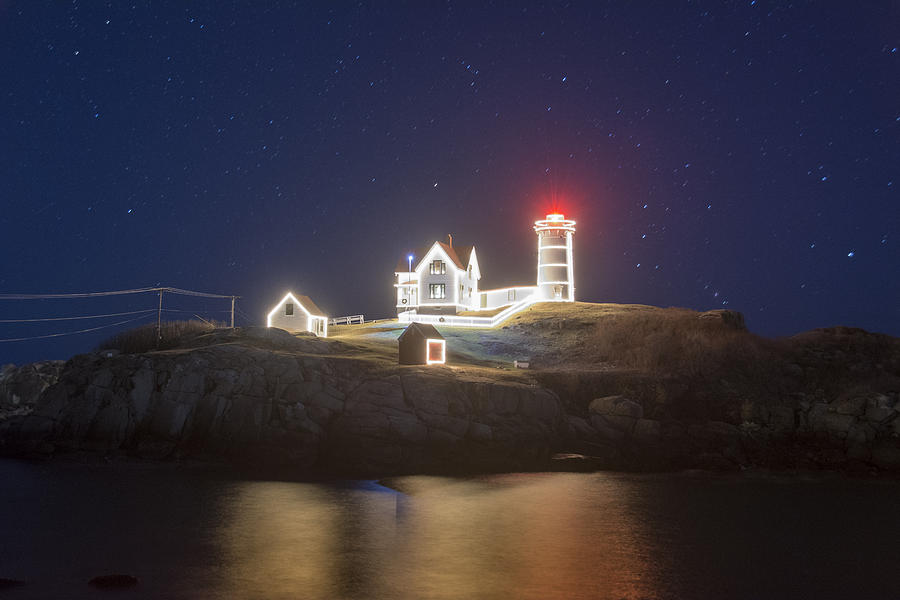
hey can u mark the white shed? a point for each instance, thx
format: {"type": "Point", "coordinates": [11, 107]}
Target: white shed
{"type": "Point", "coordinates": [298, 313]}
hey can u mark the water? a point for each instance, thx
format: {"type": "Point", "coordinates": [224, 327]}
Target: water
{"type": "Point", "coordinates": [195, 533]}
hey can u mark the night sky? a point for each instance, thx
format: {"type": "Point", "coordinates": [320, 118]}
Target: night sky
{"type": "Point", "coordinates": [741, 155]}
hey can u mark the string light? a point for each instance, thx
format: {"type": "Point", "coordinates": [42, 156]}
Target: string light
{"type": "Point", "coordinates": [310, 327]}
{"type": "Point", "coordinates": [555, 225]}
{"type": "Point", "coordinates": [443, 352]}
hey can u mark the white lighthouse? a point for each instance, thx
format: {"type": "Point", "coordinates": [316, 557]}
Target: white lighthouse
{"type": "Point", "coordinates": [555, 275]}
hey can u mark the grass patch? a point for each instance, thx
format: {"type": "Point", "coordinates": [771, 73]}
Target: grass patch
{"type": "Point", "coordinates": [145, 339]}
{"type": "Point", "coordinates": [674, 341]}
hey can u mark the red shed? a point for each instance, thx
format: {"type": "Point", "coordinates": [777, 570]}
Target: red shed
{"type": "Point", "coordinates": [421, 344]}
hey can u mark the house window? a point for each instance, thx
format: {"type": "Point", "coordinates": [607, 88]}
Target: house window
{"type": "Point", "coordinates": [437, 290]}
{"type": "Point", "coordinates": [511, 295]}
{"type": "Point", "coordinates": [289, 309]}
{"type": "Point", "coordinates": [470, 271]}
{"type": "Point", "coordinates": [461, 290]}
{"type": "Point", "coordinates": [438, 268]}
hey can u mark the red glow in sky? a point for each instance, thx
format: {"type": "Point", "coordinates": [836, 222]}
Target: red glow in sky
{"type": "Point", "coordinates": [558, 203]}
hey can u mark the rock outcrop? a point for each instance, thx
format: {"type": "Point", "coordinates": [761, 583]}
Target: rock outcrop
{"type": "Point", "coordinates": [20, 387]}
{"type": "Point", "coordinates": [686, 390]}
{"type": "Point", "coordinates": [856, 433]}
{"type": "Point", "coordinates": [290, 403]}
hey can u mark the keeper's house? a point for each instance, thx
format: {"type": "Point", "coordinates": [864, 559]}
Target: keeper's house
{"type": "Point", "coordinates": [298, 313]}
{"type": "Point", "coordinates": [443, 281]}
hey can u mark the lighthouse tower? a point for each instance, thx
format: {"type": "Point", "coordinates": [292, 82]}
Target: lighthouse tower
{"type": "Point", "coordinates": [555, 276]}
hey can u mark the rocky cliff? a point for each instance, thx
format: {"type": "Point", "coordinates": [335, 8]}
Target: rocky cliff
{"type": "Point", "coordinates": [21, 387]}
{"type": "Point", "coordinates": [610, 386]}
{"type": "Point", "coordinates": [266, 396]}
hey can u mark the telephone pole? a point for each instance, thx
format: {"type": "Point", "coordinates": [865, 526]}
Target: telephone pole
{"type": "Point", "coordinates": [159, 319]}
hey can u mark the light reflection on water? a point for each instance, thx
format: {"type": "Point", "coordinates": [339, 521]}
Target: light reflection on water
{"type": "Point", "coordinates": [190, 533]}
{"type": "Point", "coordinates": [528, 536]}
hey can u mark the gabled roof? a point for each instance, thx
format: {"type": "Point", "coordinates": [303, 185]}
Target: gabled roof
{"type": "Point", "coordinates": [305, 303]}
{"type": "Point", "coordinates": [464, 253]}
{"type": "Point", "coordinates": [423, 330]}
{"type": "Point", "coordinates": [451, 252]}
{"type": "Point", "coordinates": [454, 253]}
{"type": "Point", "coordinates": [310, 306]}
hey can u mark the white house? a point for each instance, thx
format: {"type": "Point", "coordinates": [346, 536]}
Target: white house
{"type": "Point", "coordinates": [439, 283]}
{"type": "Point", "coordinates": [443, 280]}
{"type": "Point", "coordinates": [298, 313]}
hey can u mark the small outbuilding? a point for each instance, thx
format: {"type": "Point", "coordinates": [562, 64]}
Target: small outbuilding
{"type": "Point", "coordinates": [421, 344]}
{"type": "Point", "coordinates": [298, 313]}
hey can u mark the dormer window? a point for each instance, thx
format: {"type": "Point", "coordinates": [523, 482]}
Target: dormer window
{"type": "Point", "coordinates": [438, 267]}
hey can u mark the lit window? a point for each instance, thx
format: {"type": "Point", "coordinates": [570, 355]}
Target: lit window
{"type": "Point", "coordinates": [437, 290]}
{"type": "Point", "coordinates": [438, 267]}
{"type": "Point", "coordinates": [470, 271]}
{"type": "Point", "coordinates": [289, 309]}
{"type": "Point", "coordinates": [511, 295]}
{"type": "Point", "coordinates": [436, 353]}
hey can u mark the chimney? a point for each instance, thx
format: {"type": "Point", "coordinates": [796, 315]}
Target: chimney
{"type": "Point", "coordinates": [450, 237]}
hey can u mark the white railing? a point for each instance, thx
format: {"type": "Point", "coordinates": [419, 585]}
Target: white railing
{"type": "Point", "coordinates": [350, 320]}
{"type": "Point", "coordinates": [464, 321]}
{"type": "Point", "coordinates": [492, 299]}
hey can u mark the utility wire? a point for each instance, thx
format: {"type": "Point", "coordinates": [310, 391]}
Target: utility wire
{"type": "Point", "coordinates": [244, 315]}
{"type": "Point", "coordinates": [52, 335]}
{"type": "Point", "coordinates": [168, 290]}
{"type": "Point", "coordinates": [133, 312]}
{"type": "Point", "coordinates": [86, 295]}
{"type": "Point", "coordinates": [178, 310]}
{"type": "Point", "coordinates": [191, 293]}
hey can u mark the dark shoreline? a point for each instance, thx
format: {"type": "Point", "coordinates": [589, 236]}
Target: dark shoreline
{"type": "Point", "coordinates": [253, 472]}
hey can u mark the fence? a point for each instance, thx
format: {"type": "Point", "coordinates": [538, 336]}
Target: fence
{"type": "Point", "coordinates": [462, 321]}
{"type": "Point", "coordinates": [349, 320]}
